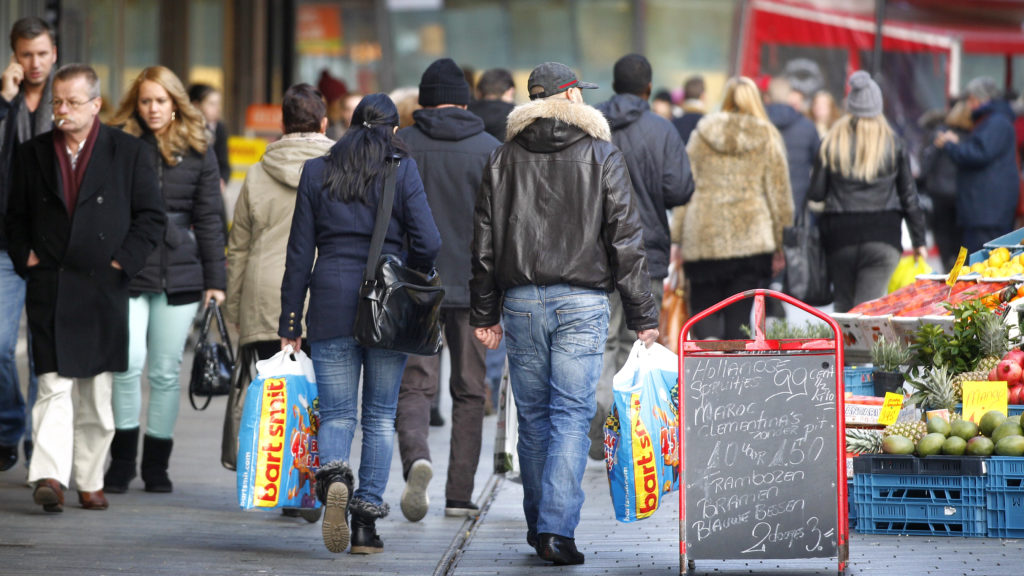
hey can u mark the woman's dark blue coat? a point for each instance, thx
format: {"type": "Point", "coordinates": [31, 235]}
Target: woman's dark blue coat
{"type": "Point", "coordinates": [337, 236]}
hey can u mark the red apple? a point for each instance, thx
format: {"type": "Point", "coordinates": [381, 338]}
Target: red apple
{"type": "Point", "coordinates": [993, 375]}
{"type": "Point", "coordinates": [1017, 355]}
{"type": "Point", "coordinates": [1009, 371]}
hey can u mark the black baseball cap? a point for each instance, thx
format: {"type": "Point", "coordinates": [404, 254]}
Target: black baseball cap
{"type": "Point", "coordinates": [553, 78]}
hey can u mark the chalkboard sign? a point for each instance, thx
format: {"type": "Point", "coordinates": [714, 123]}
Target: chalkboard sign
{"type": "Point", "coordinates": [760, 455]}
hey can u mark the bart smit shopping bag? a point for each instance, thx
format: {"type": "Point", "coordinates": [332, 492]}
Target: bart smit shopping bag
{"type": "Point", "coordinates": [277, 446]}
{"type": "Point", "coordinates": [641, 435]}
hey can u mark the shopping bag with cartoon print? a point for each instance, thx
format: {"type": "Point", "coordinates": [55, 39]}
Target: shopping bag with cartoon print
{"type": "Point", "coordinates": [278, 455]}
{"type": "Point", "coordinates": [641, 435]}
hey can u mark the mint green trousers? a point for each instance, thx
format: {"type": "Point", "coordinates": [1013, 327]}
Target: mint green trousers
{"type": "Point", "coordinates": [157, 331]}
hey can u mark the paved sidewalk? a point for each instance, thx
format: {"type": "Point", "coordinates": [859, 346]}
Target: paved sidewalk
{"type": "Point", "coordinates": [497, 545]}
{"type": "Point", "coordinates": [199, 529]}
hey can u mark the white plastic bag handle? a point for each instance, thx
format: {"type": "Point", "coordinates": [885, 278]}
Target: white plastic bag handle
{"type": "Point", "coordinates": [641, 358]}
{"type": "Point", "coordinates": [285, 362]}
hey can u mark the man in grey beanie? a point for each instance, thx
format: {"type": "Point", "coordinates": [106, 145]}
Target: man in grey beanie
{"type": "Point", "coordinates": [987, 181]}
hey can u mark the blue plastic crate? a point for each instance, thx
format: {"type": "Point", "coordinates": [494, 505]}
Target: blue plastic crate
{"type": "Point", "coordinates": [1005, 514]}
{"type": "Point", "coordinates": [851, 508]}
{"type": "Point", "coordinates": [1011, 410]}
{"type": "Point", "coordinates": [859, 380]}
{"type": "Point", "coordinates": [966, 528]}
{"type": "Point", "coordinates": [1011, 240]}
{"type": "Point", "coordinates": [955, 491]}
{"type": "Point", "coordinates": [1005, 472]}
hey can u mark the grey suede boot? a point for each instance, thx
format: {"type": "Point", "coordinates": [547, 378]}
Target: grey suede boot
{"type": "Point", "coordinates": [334, 489]}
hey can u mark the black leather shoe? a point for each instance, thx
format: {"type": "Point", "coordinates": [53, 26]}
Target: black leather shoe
{"type": "Point", "coordinates": [559, 549]}
{"type": "Point", "coordinates": [8, 457]}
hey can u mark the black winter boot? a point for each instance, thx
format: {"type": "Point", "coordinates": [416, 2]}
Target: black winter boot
{"type": "Point", "coordinates": [156, 453]}
{"type": "Point", "coordinates": [364, 527]}
{"type": "Point", "coordinates": [334, 489]}
{"type": "Point", "coordinates": [124, 450]}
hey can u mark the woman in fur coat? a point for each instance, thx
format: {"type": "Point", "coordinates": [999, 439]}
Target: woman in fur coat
{"type": "Point", "coordinates": [732, 228]}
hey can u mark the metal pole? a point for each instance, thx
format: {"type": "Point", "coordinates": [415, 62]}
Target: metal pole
{"type": "Point", "coordinates": [876, 69]}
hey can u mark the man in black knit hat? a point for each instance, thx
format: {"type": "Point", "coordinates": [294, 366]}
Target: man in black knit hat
{"type": "Point", "coordinates": [451, 148]}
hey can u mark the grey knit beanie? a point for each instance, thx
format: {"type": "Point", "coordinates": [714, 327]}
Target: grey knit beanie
{"type": "Point", "coordinates": [865, 97]}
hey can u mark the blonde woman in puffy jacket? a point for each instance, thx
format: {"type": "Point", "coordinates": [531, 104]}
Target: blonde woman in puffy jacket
{"type": "Point", "coordinates": [731, 231]}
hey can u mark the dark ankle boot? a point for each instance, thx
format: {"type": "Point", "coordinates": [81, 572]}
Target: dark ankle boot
{"type": "Point", "coordinates": [156, 453]}
{"type": "Point", "coordinates": [364, 527]}
{"type": "Point", "coordinates": [334, 489]}
{"type": "Point", "coordinates": [124, 450]}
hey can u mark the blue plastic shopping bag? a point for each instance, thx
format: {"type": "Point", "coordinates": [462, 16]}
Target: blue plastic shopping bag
{"type": "Point", "coordinates": [277, 447]}
{"type": "Point", "coordinates": [641, 435]}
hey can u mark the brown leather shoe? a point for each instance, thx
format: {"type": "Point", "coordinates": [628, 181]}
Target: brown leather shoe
{"type": "Point", "coordinates": [49, 495]}
{"type": "Point", "coordinates": [92, 500]}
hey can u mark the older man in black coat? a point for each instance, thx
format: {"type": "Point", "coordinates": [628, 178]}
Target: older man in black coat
{"type": "Point", "coordinates": [84, 213]}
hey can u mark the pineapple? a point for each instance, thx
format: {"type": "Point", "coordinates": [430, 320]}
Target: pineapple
{"type": "Point", "coordinates": [994, 339]}
{"type": "Point", "coordinates": [934, 388]}
{"type": "Point", "coordinates": [913, 430]}
{"type": "Point", "coordinates": [972, 376]}
{"type": "Point", "coordinates": [862, 441]}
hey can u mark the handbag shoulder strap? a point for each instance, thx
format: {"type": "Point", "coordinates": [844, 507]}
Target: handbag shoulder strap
{"type": "Point", "coordinates": [380, 225]}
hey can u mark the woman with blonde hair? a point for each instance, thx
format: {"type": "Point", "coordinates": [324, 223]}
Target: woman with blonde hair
{"type": "Point", "coordinates": [731, 230]}
{"type": "Point", "coordinates": [863, 176]}
{"type": "Point", "coordinates": [186, 268]}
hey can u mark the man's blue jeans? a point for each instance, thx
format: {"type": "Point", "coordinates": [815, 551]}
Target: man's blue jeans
{"type": "Point", "coordinates": [337, 363]}
{"type": "Point", "coordinates": [555, 337]}
{"type": "Point", "coordinates": [14, 418]}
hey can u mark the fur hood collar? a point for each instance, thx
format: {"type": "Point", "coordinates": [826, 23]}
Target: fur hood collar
{"type": "Point", "coordinates": [730, 133]}
{"type": "Point", "coordinates": [582, 116]}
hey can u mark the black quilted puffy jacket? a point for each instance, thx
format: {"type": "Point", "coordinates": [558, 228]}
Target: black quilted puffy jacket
{"type": "Point", "coordinates": [191, 257]}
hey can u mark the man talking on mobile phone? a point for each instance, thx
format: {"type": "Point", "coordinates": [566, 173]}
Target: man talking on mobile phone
{"type": "Point", "coordinates": [25, 112]}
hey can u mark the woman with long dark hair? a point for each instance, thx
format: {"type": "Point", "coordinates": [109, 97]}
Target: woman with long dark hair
{"type": "Point", "coordinates": [333, 223]}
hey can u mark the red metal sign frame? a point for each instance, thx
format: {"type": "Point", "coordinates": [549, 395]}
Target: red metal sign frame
{"type": "Point", "coordinates": [760, 343]}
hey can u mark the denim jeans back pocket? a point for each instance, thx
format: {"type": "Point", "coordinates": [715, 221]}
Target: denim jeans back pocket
{"type": "Point", "coordinates": [518, 332]}
{"type": "Point", "coordinates": [582, 330]}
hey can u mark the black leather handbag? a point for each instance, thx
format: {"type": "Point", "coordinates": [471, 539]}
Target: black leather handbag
{"type": "Point", "coordinates": [213, 362]}
{"type": "Point", "coordinates": [399, 308]}
{"type": "Point", "coordinates": [806, 266]}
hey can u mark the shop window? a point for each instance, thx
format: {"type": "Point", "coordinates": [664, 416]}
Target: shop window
{"type": "Point", "coordinates": [340, 37]}
{"type": "Point", "coordinates": [975, 65]}
{"type": "Point", "coordinates": [206, 43]}
{"type": "Point", "coordinates": [685, 38]}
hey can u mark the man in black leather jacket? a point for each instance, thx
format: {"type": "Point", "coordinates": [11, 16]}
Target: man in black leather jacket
{"type": "Point", "coordinates": [555, 229]}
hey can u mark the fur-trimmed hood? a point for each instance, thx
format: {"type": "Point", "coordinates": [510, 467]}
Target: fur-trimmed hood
{"type": "Point", "coordinates": [734, 134]}
{"type": "Point", "coordinates": [552, 125]}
